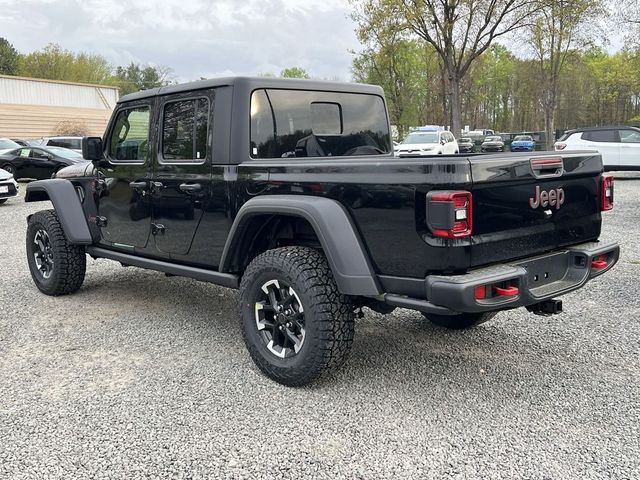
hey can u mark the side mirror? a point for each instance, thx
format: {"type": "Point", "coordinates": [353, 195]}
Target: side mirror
{"type": "Point", "coordinates": [92, 148]}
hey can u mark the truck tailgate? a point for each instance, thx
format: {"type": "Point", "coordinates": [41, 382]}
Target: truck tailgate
{"type": "Point", "coordinates": [524, 204]}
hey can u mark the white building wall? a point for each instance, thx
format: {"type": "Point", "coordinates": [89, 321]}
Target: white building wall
{"type": "Point", "coordinates": [30, 91]}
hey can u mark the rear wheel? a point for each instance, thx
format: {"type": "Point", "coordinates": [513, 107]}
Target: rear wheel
{"type": "Point", "coordinates": [9, 168]}
{"type": "Point", "coordinates": [57, 267]}
{"type": "Point", "coordinates": [295, 322]}
{"type": "Point", "coordinates": [460, 321]}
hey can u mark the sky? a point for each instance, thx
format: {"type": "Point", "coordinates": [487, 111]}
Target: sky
{"type": "Point", "coordinates": [195, 38]}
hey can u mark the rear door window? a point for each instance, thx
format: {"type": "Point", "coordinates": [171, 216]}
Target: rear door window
{"type": "Point", "coordinates": [298, 123]}
{"type": "Point", "coordinates": [185, 125]}
{"type": "Point", "coordinates": [601, 136]}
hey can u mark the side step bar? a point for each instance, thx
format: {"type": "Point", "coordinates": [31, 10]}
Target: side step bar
{"type": "Point", "coordinates": [223, 279]}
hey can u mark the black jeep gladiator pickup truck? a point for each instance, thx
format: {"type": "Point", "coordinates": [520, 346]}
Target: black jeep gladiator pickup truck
{"type": "Point", "coordinates": [289, 191]}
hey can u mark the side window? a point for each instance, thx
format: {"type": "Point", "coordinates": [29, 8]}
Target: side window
{"type": "Point", "coordinates": [629, 136]}
{"type": "Point", "coordinates": [185, 124]}
{"type": "Point", "coordinates": [25, 152]}
{"type": "Point", "coordinates": [129, 141]}
{"type": "Point", "coordinates": [301, 123]}
{"type": "Point", "coordinates": [35, 153]}
{"type": "Point", "coordinates": [602, 136]}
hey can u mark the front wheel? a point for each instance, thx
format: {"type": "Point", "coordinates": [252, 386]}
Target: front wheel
{"type": "Point", "coordinates": [459, 322]}
{"type": "Point", "coordinates": [57, 267]}
{"type": "Point", "coordinates": [295, 322]}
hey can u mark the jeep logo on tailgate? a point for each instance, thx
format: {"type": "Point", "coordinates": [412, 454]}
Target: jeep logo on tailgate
{"type": "Point", "coordinates": [543, 198]}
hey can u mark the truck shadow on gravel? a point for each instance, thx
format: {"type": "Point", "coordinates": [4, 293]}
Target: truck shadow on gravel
{"type": "Point", "coordinates": [387, 349]}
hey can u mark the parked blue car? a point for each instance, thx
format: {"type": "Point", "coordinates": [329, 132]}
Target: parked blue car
{"type": "Point", "coordinates": [523, 143]}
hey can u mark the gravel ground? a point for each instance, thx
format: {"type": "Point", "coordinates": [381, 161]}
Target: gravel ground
{"type": "Point", "coordinates": [142, 376]}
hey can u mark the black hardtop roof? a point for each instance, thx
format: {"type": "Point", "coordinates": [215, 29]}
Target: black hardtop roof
{"type": "Point", "coordinates": [253, 83]}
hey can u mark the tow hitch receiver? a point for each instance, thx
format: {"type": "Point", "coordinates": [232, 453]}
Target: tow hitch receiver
{"type": "Point", "coordinates": [546, 308]}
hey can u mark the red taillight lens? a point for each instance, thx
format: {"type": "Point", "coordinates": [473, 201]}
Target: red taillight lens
{"type": "Point", "coordinates": [450, 214]}
{"type": "Point", "coordinates": [606, 193]}
{"type": "Point", "coordinates": [560, 146]}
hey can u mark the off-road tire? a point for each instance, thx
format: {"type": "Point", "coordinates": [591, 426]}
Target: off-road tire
{"type": "Point", "coordinates": [328, 319]}
{"type": "Point", "coordinates": [69, 261]}
{"type": "Point", "coordinates": [461, 321]}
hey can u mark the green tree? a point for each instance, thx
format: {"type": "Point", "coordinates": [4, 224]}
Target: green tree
{"type": "Point", "coordinates": [55, 63]}
{"type": "Point", "coordinates": [557, 28]}
{"type": "Point", "coordinates": [8, 58]}
{"type": "Point", "coordinates": [460, 31]}
{"type": "Point", "coordinates": [135, 77]}
{"type": "Point", "coordinates": [294, 72]}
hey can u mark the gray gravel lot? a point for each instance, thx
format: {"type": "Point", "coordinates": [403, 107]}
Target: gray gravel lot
{"type": "Point", "coordinates": [142, 376]}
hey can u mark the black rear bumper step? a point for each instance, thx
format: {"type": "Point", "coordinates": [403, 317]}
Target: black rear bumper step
{"type": "Point", "coordinates": [536, 280]}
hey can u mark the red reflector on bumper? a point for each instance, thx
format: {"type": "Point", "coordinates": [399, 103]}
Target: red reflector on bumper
{"type": "Point", "coordinates": [507, 292]}
{"type": "Point", "coordinates": [480, 292]}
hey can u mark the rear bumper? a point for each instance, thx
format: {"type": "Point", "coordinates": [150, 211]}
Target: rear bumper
{"type": "Point", "coordinates": [536, 279]}
{"type": "Point", "coordinates": [11, 188]}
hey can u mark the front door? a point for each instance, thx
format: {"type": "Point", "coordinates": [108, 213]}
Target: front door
{"type": "Point", "coordinates": [182, 170]}
{"type": "Point", "coordinates": [629, 148]}
{"type": "Point", "coordinates": [124, 207]}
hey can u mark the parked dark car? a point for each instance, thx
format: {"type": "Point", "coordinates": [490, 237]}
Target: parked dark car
{"type": "Point", "coordinates": [38, 162]}
{"type": "Point", "coordinates": [492, 144]}
{"type": "Point", "coordinates": [465, 145]}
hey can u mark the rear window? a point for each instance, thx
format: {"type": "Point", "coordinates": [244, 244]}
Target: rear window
{"type": "Point", "coordinates": [605, 136]}
{"type": "Point", "coordinates": [297, 123]}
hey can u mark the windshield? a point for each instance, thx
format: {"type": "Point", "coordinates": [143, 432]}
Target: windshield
{"type": "Point", "coordinates": [493, 139]}
{"type": "Point", "coordinates": [523, 138]}
{"type": "Point", "coordinates": [421, 137]}
{"type": "Point", "coordinates": [64, 152]}
{"type": "Point", "coordinates": [6, 144]}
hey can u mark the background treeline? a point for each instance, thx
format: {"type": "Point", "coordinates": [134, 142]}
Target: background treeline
{"type": "Point", "coordinates": [502, 91]}
{"type": "Point", "coordinates": [56, 63]}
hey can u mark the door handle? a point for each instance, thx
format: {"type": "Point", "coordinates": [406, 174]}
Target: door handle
{"type": "Point", "coordinates": [138, 185]}
{"type": "Point", "coordinates": [190, 187]}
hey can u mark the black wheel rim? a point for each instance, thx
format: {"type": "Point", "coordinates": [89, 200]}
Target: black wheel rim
{"type": "Point", "coordinates": [43, 253]}
{"type": "Point", "coordinates": [10, 169]}
{"type": "Point", "coordinates": [280, 319]}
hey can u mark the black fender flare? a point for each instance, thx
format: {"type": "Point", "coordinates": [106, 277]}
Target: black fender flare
{"type": "Point", "coordinates": [332, 224]}
{"type": "Point", "coordinates": [64, 198]}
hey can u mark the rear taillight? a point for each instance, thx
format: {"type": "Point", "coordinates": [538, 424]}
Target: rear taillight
{"type": "Point", "coordinates": [449, 214]}
{"type": "Point", "coordinates": [560, 146]}
{"type": "Point", "coordinates": [606, 193]}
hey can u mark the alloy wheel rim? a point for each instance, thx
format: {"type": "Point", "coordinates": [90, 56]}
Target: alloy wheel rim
{"type": "Point", "coordinates": [279, 316]}
{"type": "Point", "coordinates": [43, 253]}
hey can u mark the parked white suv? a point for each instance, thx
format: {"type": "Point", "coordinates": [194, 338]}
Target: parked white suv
{"type": "Point", "coordinates": [425, 142]}
{"type": "Point", "coordinates": [619, 146]}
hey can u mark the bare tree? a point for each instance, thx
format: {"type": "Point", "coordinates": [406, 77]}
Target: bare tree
{"type": "Point", "coordinates": [559, 27]}
{"type": "Point", "coordinates": [459, 30]}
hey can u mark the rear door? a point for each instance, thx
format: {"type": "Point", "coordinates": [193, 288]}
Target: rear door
{"type": "Point", "coordinates": [42, 165]}
{"type": "Point", "coordinates": [607, 142]}
{"type": "Point", "coordinates": [526, 204]}
{"type": "Point", "coordinates": [182, 170]}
